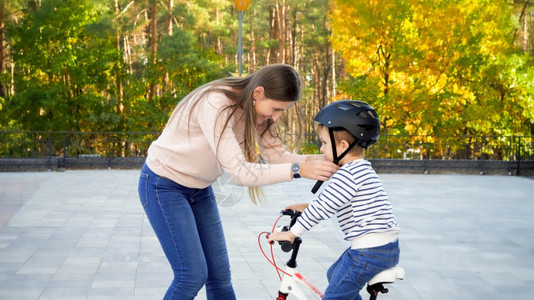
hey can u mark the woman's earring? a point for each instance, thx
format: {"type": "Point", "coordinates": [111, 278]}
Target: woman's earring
{"type": "Point", "coordinates": [254, 102]}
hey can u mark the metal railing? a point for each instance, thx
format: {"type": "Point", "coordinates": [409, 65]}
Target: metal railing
{"type": "Point", "coordinates": [506, 148]}
{"type": "Point", "coordinates": [59, 149]}
{"type": "Point", "coordinates": [39, 144]}
{"type": "Point", "coordinates": [64, 146]}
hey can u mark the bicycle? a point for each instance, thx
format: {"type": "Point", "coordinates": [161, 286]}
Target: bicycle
{"type": "Point", "coordinates": [292, 282]}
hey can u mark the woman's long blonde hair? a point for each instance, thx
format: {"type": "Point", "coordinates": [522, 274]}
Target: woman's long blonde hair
{"type": "Point", "coordinates": [280, 82]}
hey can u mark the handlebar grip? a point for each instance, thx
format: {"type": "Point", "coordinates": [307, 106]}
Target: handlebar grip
{"type": "Point", "coordinates": [286, 246]}
{"type": "Point", "coordinates": [317, 186]}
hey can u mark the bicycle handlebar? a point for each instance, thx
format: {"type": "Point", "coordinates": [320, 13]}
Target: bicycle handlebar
{"type": "Point", "coordinates": [285, 245]}
{"type": "Point", "coordinates": [290, 212]}
{"type": "Point", "coordinates": [293, 214]}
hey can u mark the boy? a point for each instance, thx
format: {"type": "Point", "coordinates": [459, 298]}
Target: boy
{"type": "Point", "coordinates": [356, 196]}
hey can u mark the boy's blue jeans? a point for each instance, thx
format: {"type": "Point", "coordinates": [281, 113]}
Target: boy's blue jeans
{"type": "Point", "coordinates": [188, 226]}
{"type": "Point", "coordinates": [349, 274]}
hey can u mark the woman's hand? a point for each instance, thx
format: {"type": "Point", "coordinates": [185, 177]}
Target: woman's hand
{"type": "Point", "coordinates": [318, 169]}
{"type": "Point", "coordinates": [315, 157]}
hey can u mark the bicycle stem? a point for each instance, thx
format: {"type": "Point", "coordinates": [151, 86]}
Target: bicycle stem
{"type": "Point", "coordinates": [292, 262]}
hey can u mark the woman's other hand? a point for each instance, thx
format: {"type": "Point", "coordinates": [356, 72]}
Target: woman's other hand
{"type": "Point", "coordinates": [318, 169]}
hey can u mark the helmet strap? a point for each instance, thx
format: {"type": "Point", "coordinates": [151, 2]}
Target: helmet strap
{"type": "Point", "coordinates": [333, 143]}
{"type": "Point", "coordinates": [334, 150]}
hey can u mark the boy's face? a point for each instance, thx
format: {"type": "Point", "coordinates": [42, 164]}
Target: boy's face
{"type": "Point", "coordinates": [326, 145]}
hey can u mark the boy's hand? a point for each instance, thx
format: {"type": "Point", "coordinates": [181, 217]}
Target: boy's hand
{"type": "Point", "coordinates": [281, 236]}
{"type": "Point", "coordinates": [298, 207]}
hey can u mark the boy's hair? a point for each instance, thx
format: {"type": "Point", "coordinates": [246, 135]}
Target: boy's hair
{"type": "Point", "coordinates": [341, 134]}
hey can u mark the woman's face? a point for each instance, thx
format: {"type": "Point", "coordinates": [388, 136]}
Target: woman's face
{"type": "Point", "coordinates": [268, 108]}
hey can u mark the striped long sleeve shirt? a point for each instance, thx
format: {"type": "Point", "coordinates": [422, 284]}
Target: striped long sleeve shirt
{"type": "Point", "coordinates": [356, 196]}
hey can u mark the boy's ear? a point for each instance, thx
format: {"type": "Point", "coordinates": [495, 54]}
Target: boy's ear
{"type": "Point", "coordinates": [344, 145]}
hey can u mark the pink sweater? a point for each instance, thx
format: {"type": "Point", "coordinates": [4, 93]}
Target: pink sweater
{"type": "Point", "coordinates": [187, 151]}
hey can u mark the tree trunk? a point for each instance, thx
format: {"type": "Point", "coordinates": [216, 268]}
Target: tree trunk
{"type": "Point", "coordinates": [273, 33]}
{"type": "Point", "coordinates": [293, 39]}
{"type": "Point", "coordinates": [168, 21]}
{"type": "Point", "coordinates": [334, 92]}
{"type": "Point", "coordinates": [523, 22]}
{"type": "Point", "coordinates": [282, 32]}
{"type": "Point", "coordinates": [252, 51]}
{"type": "Point", "coordinates": [525, 33]}
{"type": "Point", "coordinates": [153, 45]}
{"type": "Point", "coordinates": [118, 64]}
{"type": "Point", "coordinates": [2, 56]}
{"type": "Point", "coordinates": [168, 27]}
{"type": "Point", "coordinates": [128, 55]}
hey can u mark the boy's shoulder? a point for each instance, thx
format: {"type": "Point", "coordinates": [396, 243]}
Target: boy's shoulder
{"type": "Point", "coordinates": [357, 168]}
{"type": "Point", "coordinates": [355, 164]}
{"type": "Point", "coordinates": [355, 174]}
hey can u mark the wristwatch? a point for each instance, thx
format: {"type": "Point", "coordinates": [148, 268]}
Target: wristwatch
{"type": "Point", "coordinates": [295, 169]}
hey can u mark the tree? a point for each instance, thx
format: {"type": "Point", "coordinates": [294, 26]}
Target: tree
{"type": "Point", "coordinates": [2, 55]}
{"type": "Point", "coordinates": [9, 12]}
{"type": "Point", "coordinates": [422, 64]}
{"type": "Point", "coordinates": [296, 33]}
{"type": "Point", "coordinates": [431, 67]}
{"type": "Point", "coordinates": [63, 60]}
{"type": "Point", "coordinates": [164, 59]}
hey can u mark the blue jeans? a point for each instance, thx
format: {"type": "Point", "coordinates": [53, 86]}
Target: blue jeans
{"type": "Point", "coordinates": [355, 267]}
{"type": "Point", "coordinates": [188, 226]}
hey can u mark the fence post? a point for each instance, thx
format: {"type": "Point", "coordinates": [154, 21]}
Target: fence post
{"type": "Point", "coordinates": [64, 150]}
{"type": "Point", "coordinates": [519, 156]}
{"type": "Point", "coordinates": [49, 164]}
{"type": "Point", "coordinates": [109, 150]}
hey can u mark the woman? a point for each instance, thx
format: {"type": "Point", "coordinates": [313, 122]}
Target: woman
{"type": "Point", "coordinates": [221, 126]}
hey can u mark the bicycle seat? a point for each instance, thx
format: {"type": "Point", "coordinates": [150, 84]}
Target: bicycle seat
{"type": "Point", "coordinates": [388, 276]}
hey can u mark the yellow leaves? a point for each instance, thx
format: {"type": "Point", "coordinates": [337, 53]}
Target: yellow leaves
{"type": "Point", "coordinates": [427, 57]}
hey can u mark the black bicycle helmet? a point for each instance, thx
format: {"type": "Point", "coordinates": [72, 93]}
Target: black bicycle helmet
{"type": "Point", "coordinates": [357, 117]}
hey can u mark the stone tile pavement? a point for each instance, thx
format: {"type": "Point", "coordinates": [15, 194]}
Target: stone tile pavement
{"type": "Point", "coordinates": [83, 235]}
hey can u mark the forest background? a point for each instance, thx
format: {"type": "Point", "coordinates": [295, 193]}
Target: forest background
{"type": "Point", "coordinates": [429, 67]}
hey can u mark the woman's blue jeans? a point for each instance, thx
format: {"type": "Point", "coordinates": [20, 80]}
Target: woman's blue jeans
{"type": "Point", "coordinates": [349, 274]}
{"type": "Point", "coordinates": [188, 226]}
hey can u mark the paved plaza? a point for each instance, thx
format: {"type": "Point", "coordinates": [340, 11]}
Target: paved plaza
{"type": "Point", "coordinates": [82, 234]}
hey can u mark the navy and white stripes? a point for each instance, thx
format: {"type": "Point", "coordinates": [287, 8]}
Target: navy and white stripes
{"type": "Point", "coordinates": [356, 196]}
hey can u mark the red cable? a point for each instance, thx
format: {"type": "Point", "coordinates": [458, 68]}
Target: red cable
{"type": "Point", "coordinates": [276, 222]}
{"type": "Point", "coordinates": [272, 252]}
{"type": "Point", "coordinates": [272, 261]}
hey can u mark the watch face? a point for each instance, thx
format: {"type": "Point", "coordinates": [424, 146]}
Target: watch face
{"type": "Point", "coordinates": [295, 168]}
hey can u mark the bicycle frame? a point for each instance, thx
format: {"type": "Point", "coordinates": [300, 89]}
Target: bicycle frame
{"type": "Point", "coordinates": [293, 282]}
{"type": "Point", "coordinates": [292, 285]}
